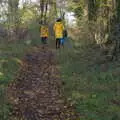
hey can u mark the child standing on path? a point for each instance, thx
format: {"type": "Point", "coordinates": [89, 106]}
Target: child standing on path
{"type": "Point", "coordinates": [44, 33]}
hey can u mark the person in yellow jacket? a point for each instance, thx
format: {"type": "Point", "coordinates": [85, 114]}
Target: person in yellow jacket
{"type": "Point", "coordinates": [58, 28]}
{"type": "Point", "coordinates": [44, 33]}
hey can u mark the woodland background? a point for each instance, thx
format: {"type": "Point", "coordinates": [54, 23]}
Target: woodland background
{"type": "Point", "coordinates": [92, 83]}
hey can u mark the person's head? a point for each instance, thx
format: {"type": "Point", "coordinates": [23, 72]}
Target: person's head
{"type": "Point", "coordinates": [45, 22]}
{"type": "Point", "coordinates": [41, 22]}
{"type": "Point", "coordinates": [59, 20]}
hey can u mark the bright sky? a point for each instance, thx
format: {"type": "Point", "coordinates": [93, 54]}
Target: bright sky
{"type": "Point", "coordinates": [69, 16]}
{"type": "Point", "coordinates": [31, 0]}
{"type": "Point", "coordinates": [20, 2]}
{"type": "Point", "coordinates": [70, 19]}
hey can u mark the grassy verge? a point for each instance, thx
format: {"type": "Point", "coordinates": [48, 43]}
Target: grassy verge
{"type": "Point", "coordinates": [10, 59]}
{"type": "Point", "coordinates": [92, 85]}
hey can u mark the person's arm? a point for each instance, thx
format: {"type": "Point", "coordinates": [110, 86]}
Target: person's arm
{"type": "Point", "coordinates": [66, 33]}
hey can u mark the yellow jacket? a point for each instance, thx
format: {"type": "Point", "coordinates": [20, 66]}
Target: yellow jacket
{"type": "Point", "coordinates": [58, 28]}
{"type": "Point", "coordinates": [44, 31]}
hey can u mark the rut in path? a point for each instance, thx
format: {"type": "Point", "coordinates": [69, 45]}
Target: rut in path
{"type": "Point", "coordinates": [36, 93]}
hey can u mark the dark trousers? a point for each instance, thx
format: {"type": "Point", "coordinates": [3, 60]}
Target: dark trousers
{"type": "Point", "coordinates": [58, 40]}
{"type": "Point", "coordinates": [44, 40]}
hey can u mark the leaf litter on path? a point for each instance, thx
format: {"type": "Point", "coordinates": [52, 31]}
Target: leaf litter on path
{"type": "Point", "coordinates": [36, 92]}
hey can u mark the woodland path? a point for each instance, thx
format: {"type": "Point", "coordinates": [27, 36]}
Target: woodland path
{"type": "Point", "coordinates": [36, 92]}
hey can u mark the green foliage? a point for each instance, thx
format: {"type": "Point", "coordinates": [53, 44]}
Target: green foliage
{"type": "Point", "coordinates": [8, 70]}
{"type": "Point", "coordinates": [5, 108]}
{"type": "Point", "coordinates": [90, 84]}
{"type": "Point", "coordinates": [27, 14]}
{"type": "Point", "coordinates": [10, 61]}
{"type": "Point", "coordinates": [118, 9]}
{"type": "Point", "coordinates": [12, 52]}
{"type": "Point", "coordinates": [77, 7]}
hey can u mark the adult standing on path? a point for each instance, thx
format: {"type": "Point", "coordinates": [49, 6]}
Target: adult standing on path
{"type": "Point", "coordinates": [44, 33]}
{"type": "Point", "coordinates": [58, 28]}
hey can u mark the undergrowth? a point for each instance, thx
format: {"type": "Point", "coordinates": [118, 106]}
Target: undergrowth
{"type": "Point", "coordinates": [90, 83]}
{"type": "Point", "coordinates": [11, 54]}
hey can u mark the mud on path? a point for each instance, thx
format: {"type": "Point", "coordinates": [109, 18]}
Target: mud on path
{"type": "Point", "coordinates": [36, 92]}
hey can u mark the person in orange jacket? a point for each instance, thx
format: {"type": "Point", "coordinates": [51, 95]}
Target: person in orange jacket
{"type": "Point", "coordinates": [58, 28]}
{"type": "Point", "coordinates": [44, 32]}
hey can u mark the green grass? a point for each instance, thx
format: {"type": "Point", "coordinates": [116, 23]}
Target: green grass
{"type": "Point", "coordinates": [89, 84]}
{"type": "Point", "coordinates": [10, 58]}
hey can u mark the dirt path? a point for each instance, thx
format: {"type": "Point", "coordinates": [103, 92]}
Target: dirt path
{"type": "Point", "coordinates": [36, 94]}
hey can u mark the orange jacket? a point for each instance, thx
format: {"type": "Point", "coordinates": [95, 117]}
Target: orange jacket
{"type": "Point", "coordinates": [58, 28]}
